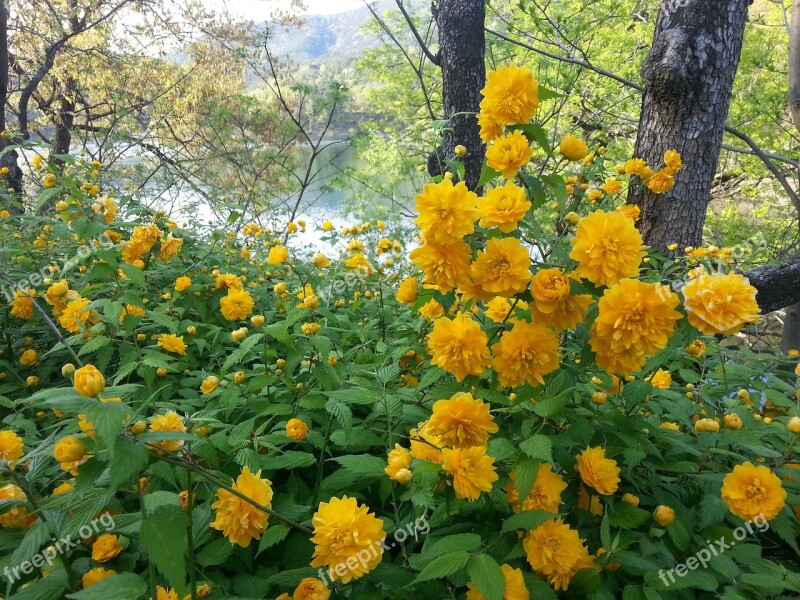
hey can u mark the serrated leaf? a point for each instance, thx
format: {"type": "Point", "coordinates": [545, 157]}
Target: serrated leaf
{"type": "Point", "coordinates": [538, 447]}
{"type": "Point", "coordinates": [364, 465]}
{"type": "Point", "coordinates": [527, 520]}
{"type": "Point", "coordinates": [442, 566]}
{"type": "Point", "coordinates": [487, 576]}
{"type": "Point", "coordinates": [274, 534]}
{"type": "Point", "coordinates": [123, 586]}
{"type": "Point", "coordinates": [163, 537]}
{"type": "Point", "coordinates": [238, 355]}
{"type": "Point", "coordinates": [291, 459]}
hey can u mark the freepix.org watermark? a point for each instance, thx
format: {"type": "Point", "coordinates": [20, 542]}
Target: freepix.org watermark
{"type": "Point", "coordinates": [415, 529]}
{"type": "Point", "coordinates": [714, 548]}
{"type": "Point", "coordinates": [103, 523]}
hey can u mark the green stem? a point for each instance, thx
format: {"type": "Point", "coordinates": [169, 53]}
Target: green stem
{"type": "Point", "coordinates": [318, 482]}
{"type": "Point", "coordinates": [190, 538]}
{"type": "Point", "coordinates": [150, 566]}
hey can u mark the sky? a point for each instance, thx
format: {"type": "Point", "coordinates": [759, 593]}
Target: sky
{"type": "Point", "coordinates": [255, 10]}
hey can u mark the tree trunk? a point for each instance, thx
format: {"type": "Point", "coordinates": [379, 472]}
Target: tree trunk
{"type": "Point", "coordinates": [12, 185]}
{"type": "Point", "coordinates": [461, 47]}
{"type": "Point", "coordinates": [688, 77]}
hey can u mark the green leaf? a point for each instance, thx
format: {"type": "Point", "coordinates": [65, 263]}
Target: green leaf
{"type": "Point", "coordinates": [274, 534]}
{"type": "Point", "coordinates": [526, 471]}
{"type": "Point", "coordinates": [108, 419]}
{"type": "Point", "coordinates": [364, 465]}
{"type": "Point", "coordinates": [527, 519]}
{"type": "Point", "coordinates": [47, 588]}
{"type": "Point", "coordinates": [487, 576]}
{"type": "Point", "coordinates": [215, 553]}
{"type": "Point", "coordinates": [129, 459]}
{"type": "Point", "coordinates": [442, 566]}
{"type": "Point", "coordinates": [627, 516]}
{"type": "Point", "coordinates": [291, 459]}
{"type": "Point", "coordinates": [134, 274]}
{"type": "Point", "coordinates": [123, 586]}
{"type": "Point", "coordinates": [538, 447]}
{"type": "Point", "coordinates": [459, 541]}
{"type": "Point", "coordinates": [163, 535]}
{"type": "Point", "coordinates": [238, 355]}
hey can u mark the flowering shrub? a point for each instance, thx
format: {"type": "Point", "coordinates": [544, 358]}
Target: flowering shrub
{"type": "Point", "coordinates": [533, 405]}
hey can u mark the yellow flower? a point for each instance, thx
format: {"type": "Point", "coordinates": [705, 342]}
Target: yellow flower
{"type": "Point", "coordinates": [407, 291]}
{"type": "Point", "coordinates": [237, 519]}
{"type": "Point", "coordinates": [170, 246]}
{"type": "Point", "coordinates": [237, 305]}
{"type": "Point", "coordinates": [635, 320]}
{"type": "Point", "coordinates": [673, 161]}
{"type": "Point", "coordinates": [277, 255]}
{"type": "Point", "coordinates": [472, 470]}
{"type": "Point", "coordinates": [612, 186]}
{"type": "Point", "coordinates": [661, 182]}
{"type": "Point", "coordinates": [663, 515]}
{"type": "Point", "coordinates": [525, 354]}
{"type": "Point", "coordinates": [105, 548]}
{"type": "Point", "coordinates": [16, 516]}
{"type": "Point", "coordinates": [490, 129]}
{"type": "Point", "coordinates": [462, 421]}
{"type": "Point", "coordinates": [310, 588]}
{"type": "Point", "coordinates": [227, 281]}
{"type": "Point", "coordinates": [459, 346]}
{"type": "Point", "coordinates": [607, 247]}
{"type": "Point", "coordinates": [327, 226]}
{"type": "Point", "coordinates": [515, 586]}
{"type": "Point", "coordinates": [92, 576]}
{"type": "Point", "coordinates": [88, 381]}
{"type": "Point", "coordinates": [597, 471]}
{"type": "Point", "coordinates": [172, 343]}
{"type": "Point", "coordinates": [431, 310]}
{"type": "Point", "coordinates": [503, 207]}
{"type": "Point", "coordinates": [425, 445]}
{"type": "Point", "coordinates": [631, 211]}
{"type": "Point", "coordinates": [296, 429]}
{"type": "Point", "coordinates": [509, 153]}
{"type": "Point", "coordinates": [511, 95]}
{"type": "Point", "coordinates": [545, 494]}
{"type": "Point", "coordinates": [399, 464]}
{"type": "Point", "coordinates": [166, 594]}
{"type": "Point", "coordinates": [446, 211]}
{"type": "Point", "coordinates": [320, 260]}
{"type": "Point", "coordinates": [503, 268]}
{"type": "Point", "coordinates": [750, 491]}
{"type": "Point", "coordinates": [637, 166]}
{"type": "Point", "coordinates": [720, 303]}
{"type": "Point", "coordinates": [660, 379]}
{"type": "Point", "coordinates": [360, 262]}
{"type": "Point", "coordinates": [168, 422]}
{"type": "Point", "coordinates": [29, 357]}
{"type": "Point", "coordinates": [10, 446]}
{"type": "Point", "coordinates": [573, 148]}
{"type": "Point", "coordinates": [209, 384]}
{"type": "Point", "coordinates": [444, 265]}
{"type": "Point", "coordinates": [75, 316]}
{"type": "Point", "coordinates": [62, 489]}
{"type": "Point", "coordinates": [553, 549]}
{"type": "Point", "coordinates": [69, 449]}
{"type": "Point", "coordinates": [498, 309]}
{"type": "Point", "coordinates": [182, 283]}
{"type": "Point", "coordinates": [554, 306]}
{"type": "Point", "coordinates": [733, 421]}
{"type": "Point", "coordinates": [347, 539]}
{"type": "Point", "coordinates": [22, 306]}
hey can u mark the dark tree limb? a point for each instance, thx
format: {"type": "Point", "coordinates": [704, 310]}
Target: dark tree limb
{"type": "Point", "coordinates": [778, 285]}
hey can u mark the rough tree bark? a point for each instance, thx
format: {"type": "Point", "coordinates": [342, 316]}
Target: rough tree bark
{"type": "Point", "coordinates": [13, 181]}
{"type": "Point", "coordinates": [461, 57]}
{"type": "Point", "coordinates": [688, 79]}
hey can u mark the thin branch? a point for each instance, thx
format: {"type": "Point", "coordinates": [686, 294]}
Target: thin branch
{"type": "Point", "coordinates": [434, 58]}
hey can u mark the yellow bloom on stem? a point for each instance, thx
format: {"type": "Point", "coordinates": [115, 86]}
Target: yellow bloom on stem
{"type": "Point", "coordinates": [10, 446]}
{"type": "Point", "coordinates": [599, 472]}
{"type": "Point", "coordinates": [277, 255]}
{"type": "Point", "coordinates": [347, 539]}
{"type": "Point", "coordinates": [498, 309]}
{"type": "Point", "coordinates": [296, 429]}
{"type": "Point", "coordinates": [503, 207]}
{"type": "Point", "coordinates": [573, 148]}
{"type": "Point", "coordinates": [509, 153]}
{"type": "Point", "coordinates": [515, 586]}
{"type": "Point", "coordinates": [503, 268]}
{"type": "Point", "coordinates": [69, 449]}
{"type": "Point", "coordinates": [697, 348]}
{"type": "Point", "coordinates": [29, 357]}
{"type": "Point", "coordinates": [227, 281]}
{"type": "Point", "coordinates": [170, 246]}
{"type": "Point", "coordinates": [511, 95]}
{"type": "Point", "coordinates": [105, 548]}
{"type": "Point", "coordinates": [209, 384]}
{"type": "Point", "coordinates": [632, 211]}
{"type": "Point", "coordinates": [525, 354]}
{"type": "Point", "coordinates": [446, 211]}
{"type": "Point", "coordinates": [16, 516]}
{"type": "Point", "coordinates": [237, 519]}
{"type": "Point", "coordinates": [311, 588]}
{"type": "Point", "coordinates": [425, 445]}
{"type": "Point", "coordinates": [462, 421]}
{"type": "Point", "coordinates": [664, 515]}
{"type": "Point", "coordinates": [544, 495]}
{"type": "Point", "coordinates": [172, 343]}
{"type": "Point", "coordinates": [75, 316]}
{"type": "Point", "coordinates": [170, 421]}
{"type": "Point", "coordinates": [750, 491]}
{"type": "Point", "coordinates": [612, 186]}
{"type": "Point", "coordinates": [88, 381]}
{"type": "Point", "coordinates": [660, 379]}
{"type": "Point", "coordinates": [554, 306]}
{"type": "Point", "coordinates": [236, 305]}
{"type": "Point", "coordinates": [721, 302]}
{"type": "Point", "coordinates": [673, 161]}
{"type": "Point", "coordinates": [398, 465]}
{"type": "Point", "coordinates": [637, 166]}
{"type": "Point", "coordinates": [166, 594]}
{"type": "Point", "coordinates": [661, 182]}
{"type": "Point", "coordinates": [472, 470]}
{"type": "Point", "coordinates": [431, 310]}
{"type": "Point", "coordinates": [490, 129]}
{"type": "Point", "coordinates": [635, 320]}
{"type": "Point", "coordinates": [553, 549]}
{"type": "Point", "coordinates": [22, 306]}
{"type": "Point", "coordinates": [92, 576]}
{"type": "Point", "coordinates": [459, 346]}
{"type": "Point", "coordinates": [182, 283]}
{"type": "Point", "coordinates": [407, 290]}
{"type": "Point", "coordinates": [444, 265]}
{"type": "Point", "coordinates": [607, 247]}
